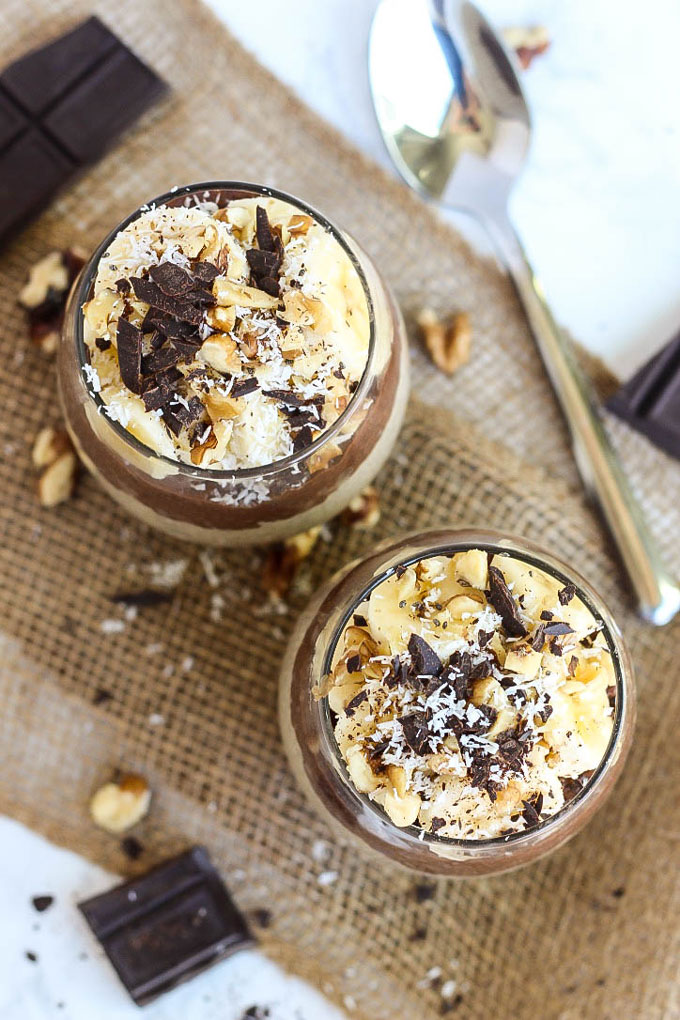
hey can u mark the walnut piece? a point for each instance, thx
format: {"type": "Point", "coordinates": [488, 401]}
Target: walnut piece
{"type": "Point", "coordinates": [229, 293]}
{"type": "Point", "coordinates": [363, 512]}
{"type": "Point", "coordinates": [57, 483]}
{"type": "Point", "coordinates": [447, 344]}
{"type": "Point", "coordinates": [283, 560]}
{"type": "Point", "coordinates": [120, 804]}
{"type": "Point", "coordinates": [220, 352]}
{"type": "Point", "coordinates": [528, 43]}
{"type": "Point", "coordinates": [48, 445]}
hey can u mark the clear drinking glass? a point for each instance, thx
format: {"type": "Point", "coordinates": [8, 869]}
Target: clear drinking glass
{"type": "Point", "coordinates": [241, 507]}
{"type": "Point", "coordinates": [307, 727]}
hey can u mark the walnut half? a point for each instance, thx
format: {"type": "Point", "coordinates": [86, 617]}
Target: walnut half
{"type": "Point", "coordinates": [447, 344]}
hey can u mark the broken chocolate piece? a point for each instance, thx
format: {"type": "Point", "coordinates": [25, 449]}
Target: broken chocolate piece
{"type": "Point", "coordinates": [263, 230]}
{"type": "Point", "coordinates": [503, 602]}
{"type": "Point", "coordinates": [566, 594]}
{"type": "Point", "coordinates": [129, 342]}
{"type": "Point", "coordinates": [151, 293]}
{"type": "Point", "coordinates": [165, 927]}
{"type": "Point", "coordinates": [303, 439]}
{"type": "Point", "coordinates": [61, 107]}
{"type": "Point", "coordinates": [650, 401]}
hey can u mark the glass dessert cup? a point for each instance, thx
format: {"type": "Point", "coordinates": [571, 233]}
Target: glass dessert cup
{"type": "Point", "coordinates": [321, 771]}
{"type": "Point", "coordinates": [245, 505]}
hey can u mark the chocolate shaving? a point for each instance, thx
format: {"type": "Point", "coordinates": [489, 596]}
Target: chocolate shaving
{"type": "Point", "coordinates": [436, 824]}
{"type": "Point", "coordinates": [159, 360]}
{"type": "Point", "coordinates": [123, 286]}
{"type": "Point", "coordinates": [292, 399]}
{"type": "Point", "coordinates": [546, 615]}
{"type": "Point", "coordinates": [557, 627]}
{"type": "Point", "coordinates": [357, 700]}
{"type": "Point", "coordinates": [205, 272]}
{"type": "Point", "coordinates": [172, 279]}
{"type": "Point", "coordinates": [154, 398]}
{"type": "Point", "coordinates": [416, 733]}
{"type": "Point", "coordinates": [538, 638]}
{"type": "Point", "coordinates": [573, 663]}
{"type": "Point", "coordinates": [141, 599]}
{"type": "Point", "coordinates": [425, 660]}
{"type": "Point", "coordinates": [262, 263]}
{"type": "Point", "coordinates": [129, 341]}
{"type": "Point", "coordinates": [530, 814]}
{"type": "Point", "coordinates": [242, 387]}
{"type": "Point", "coordinates": [150, 292]}
{"type": "Point", "coordinates": [265, 237]}
{"type": "Point", "coordinates": [186, 411]}
{"type": "Point", "coordinates": [570, 788]}
{"type": "Point", "coordinates": [501, 599]}
{"type": "Point", "coordinates": [303, 439]}
{"type": "Point", "coordinates": [566, 594]}
{"type": "Point", "coordinates": [359, 620]}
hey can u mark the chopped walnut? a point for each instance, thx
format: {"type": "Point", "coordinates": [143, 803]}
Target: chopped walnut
{"type": "Point", "coordinates": [448, 344]}
{"type": "Point", "coordinates": [43, 297]}
{"type": "Point", "coordinates": [120, 804]}
{"type": "Point", "coordinates": [283, 560]}
{"type": "Point", "coordinates": [363, 512]}
{"type": "Point", "coordinates": [55, 457]}
{"type": "Point", "coordinates": [528, 43]}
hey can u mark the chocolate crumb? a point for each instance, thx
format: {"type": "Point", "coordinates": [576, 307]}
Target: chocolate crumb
{"type": "Point", "coordinates": [547, 615]}
{"type": "Point", "coordinates": [42, 903]}
{"type": "Point", "coordinates": [262, 917]}
{"type": "Point", "coordinates": [359, 620]}
{"type": "Point", "coordinates": [132, 848]}
{"type": "Point", "coordinates": [566, 594]}
{"type": "Point", "coordinates": [354, 664]}
{"type": "Point", "coordinates": [102, 343]}
{"type": "Point", "coordinates": [437, 823]}
{"type": "Point", "coordinates": [400, 570]}
{"type": "Point", "coordinates": [424, 891]}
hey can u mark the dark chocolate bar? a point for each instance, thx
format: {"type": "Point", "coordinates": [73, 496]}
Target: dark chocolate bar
{"type": "Point", "coordinates": [170, 924]}
{"type": "Point", "coordinates": [650, 401]}
{"type": "Point", "coordinates": [61, 108]}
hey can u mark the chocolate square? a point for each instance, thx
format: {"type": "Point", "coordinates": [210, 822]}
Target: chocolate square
{"type": "Point", "coordinates": [168, 925]}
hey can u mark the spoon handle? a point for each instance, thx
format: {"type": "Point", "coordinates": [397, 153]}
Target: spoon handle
{"type": "Point", "coordinates": [657, 595]}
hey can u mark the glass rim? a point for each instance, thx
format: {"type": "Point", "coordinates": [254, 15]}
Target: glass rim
{"type": "Point", "coordinates": [293, 460]}
{"type": "Point", "coordinates": [553, 566]}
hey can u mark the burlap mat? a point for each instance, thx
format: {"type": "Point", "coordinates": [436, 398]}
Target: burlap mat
{"type": "Point", "coordinates": [592, 932]}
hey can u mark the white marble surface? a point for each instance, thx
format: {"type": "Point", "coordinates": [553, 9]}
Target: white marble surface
{"type": "Point", "coordinates": [598, 209]}
{"type": "Point", "coordinates": [598, 205]}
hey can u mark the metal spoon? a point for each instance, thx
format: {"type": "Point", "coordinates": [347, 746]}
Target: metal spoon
{"type": "Point", "coordinates": [455, 121]}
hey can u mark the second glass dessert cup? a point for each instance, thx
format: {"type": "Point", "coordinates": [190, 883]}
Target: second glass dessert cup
{"type": "Point", "coordinates": [254, 505]}
{"type": "Point", "coordinates": [308, 730]}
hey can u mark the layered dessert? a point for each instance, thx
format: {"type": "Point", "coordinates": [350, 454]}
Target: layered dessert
{"type": "Point", "coordinates": [472, 695]}
{"type": "Point", "coordinates": [458, 701]}
{"type": "Point", "coordinates": [247, 352]}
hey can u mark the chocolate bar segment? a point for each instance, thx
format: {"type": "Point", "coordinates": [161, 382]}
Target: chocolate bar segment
{"type": "Point", "coordinates": [650, 401]}
{"type": "Point", "coordinates": [170, 924]}
{"type": "Point", "coordinates": [61, 108]}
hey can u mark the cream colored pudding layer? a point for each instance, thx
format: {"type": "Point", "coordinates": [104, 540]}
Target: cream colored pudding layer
{"type": "Point", "coordinates": [472, 695]}
{"type": "Point", "coordinates": [226, 337]}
